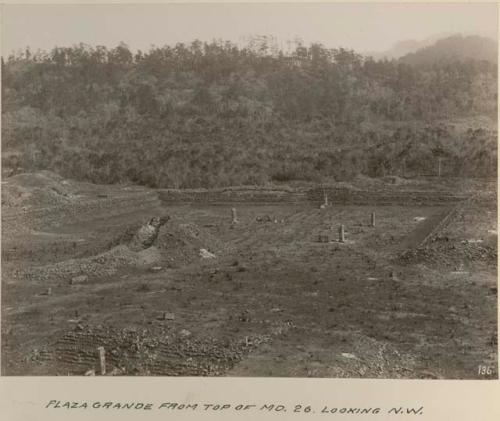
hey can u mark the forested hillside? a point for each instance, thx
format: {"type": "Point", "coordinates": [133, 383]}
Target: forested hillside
{"type": "Point", "coordinates": [214, 114]}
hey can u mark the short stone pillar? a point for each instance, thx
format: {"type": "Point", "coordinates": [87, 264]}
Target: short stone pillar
{"type": "Point", "coordinates": [341, 234]}
{"type": "Point", "coordinates": [102, 360]}
{"type": "Point", "coordinates": [372, 223]}
{"type": "Point", "coordinates": [234, 218]}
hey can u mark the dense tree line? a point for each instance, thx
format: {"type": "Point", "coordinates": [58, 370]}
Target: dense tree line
{"type": "Point", "coordinates": [214, 114]}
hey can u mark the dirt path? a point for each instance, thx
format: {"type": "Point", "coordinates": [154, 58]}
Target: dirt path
{"type": "Point", "coordinates": [423, 229]}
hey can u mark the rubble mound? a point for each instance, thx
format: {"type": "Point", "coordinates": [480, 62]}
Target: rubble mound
{"type": "Point", "coordinates": [154, 351]}
{"type": "Point", "coordinates": [39, 189]}
{"type": "Point", "coordinates": [177, 242]}
{"type": "Point", "coordinates": [372, 358]}
{"type": "Point", "coordinates": [183, 242]}
{"type": "Point", "coordinates": [450, 254]}
{"type": "Point", "coordinates": [102, 265]}
{"type": "Point", "coordinates": [147, 234]}
{"type": "Point", "coordinates": [155, 242]}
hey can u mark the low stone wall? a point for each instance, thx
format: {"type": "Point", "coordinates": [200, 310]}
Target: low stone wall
{"type": "Point", "coordinates": [231, 195]}
{"type": "Point", "coordinates": [343, 196]}
{"type": "Point", "coordinates": [346, 196]}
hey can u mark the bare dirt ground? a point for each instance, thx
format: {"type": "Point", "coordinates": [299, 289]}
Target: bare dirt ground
{"type": "Point", "coordinates": [413, 297]}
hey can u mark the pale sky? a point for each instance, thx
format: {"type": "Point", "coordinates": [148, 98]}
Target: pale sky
{"type": "Point", "coordinates": [362, 27]}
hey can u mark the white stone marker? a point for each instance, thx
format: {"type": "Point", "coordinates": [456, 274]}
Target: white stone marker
{"type": "Point", "coordinates": [102, 360]}
{"type": "Point", "coordinates": [233, 215]}
{"type": "Point", "coordinates": [341, 234]}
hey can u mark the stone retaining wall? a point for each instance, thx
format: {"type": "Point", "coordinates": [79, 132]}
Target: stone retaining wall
{"type": "Point", "coordinates": [342, 196]}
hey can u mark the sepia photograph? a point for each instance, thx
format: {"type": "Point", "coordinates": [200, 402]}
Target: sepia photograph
{"type": "Point", "coordinates": [289, 190]}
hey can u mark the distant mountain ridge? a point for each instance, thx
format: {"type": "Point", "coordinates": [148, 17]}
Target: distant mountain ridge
{"type": "Point", "coordinates": [456, 47]}
{"type": "Point", "coordinates": [405, 47]}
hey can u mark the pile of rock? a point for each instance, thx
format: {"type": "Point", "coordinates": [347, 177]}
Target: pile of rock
{"type": "Point", "coordinates": [148, 233]}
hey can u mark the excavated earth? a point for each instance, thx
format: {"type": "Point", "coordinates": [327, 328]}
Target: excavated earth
{"type": "Point", "coordinates": [272, 294]}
